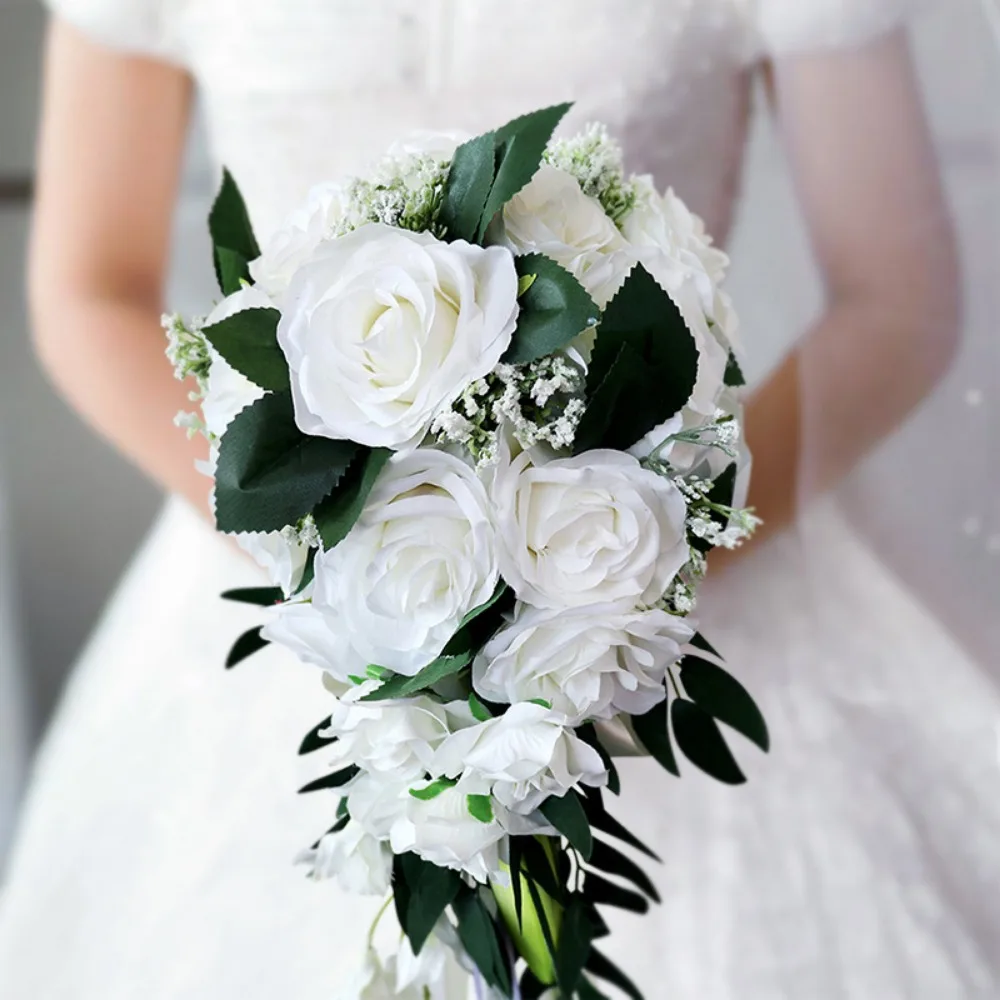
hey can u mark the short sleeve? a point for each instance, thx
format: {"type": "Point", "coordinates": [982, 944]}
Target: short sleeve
{"type": "Point", "coordinates": [784, 27]}
{"type": "Point", "coordinates": [140, 27]}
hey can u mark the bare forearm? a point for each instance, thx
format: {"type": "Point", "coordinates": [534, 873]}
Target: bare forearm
{"type": "Point", "coordinates": [107, 357]}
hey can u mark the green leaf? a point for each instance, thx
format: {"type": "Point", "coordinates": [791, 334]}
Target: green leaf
{"type": "Point", "coordinates": [699, 739]}
{"type": "Point", "coordinates": [604, 892]}
{"type": "Point", "coordinates": [700, 642]}
{"type": "Point", "coordinates": [337, 514]}
{"type": "Point", "coordinates": [481, 622]}
{"type": "Point", "coordinates": [269, 473]}
{"type": "Point", "coordinates": [434, 789]}
{"type": "Point", "coordinates": [248, 340]}
{"type": "Point", "coordinates": [724, 488]}
{"type": "Point", "coordinates": [333, 780]}
{"type": "Point", "coordinates": [308, 571]}
{"type": "Point", "coordinates": [601, 819]}
{"type": "Point", "coordinates": [574, 945]}
{"type": "Point", "coordinates": [470, 178]}
{"type": "Point", "coordinates": [654, 735]}
{"type": "Point", "coordinates": [725, 698]}
{"type": "Point", "coordinates": [537, 855]}
{"type": "Point", "coordinates": [554, 310]}
{"type": "Point", "coordinates": [500, 591]}
{"type": "Point", "coordinates": [601, 966]}
{"type": "Point", "coordinates": [609, 859]}
{"type": "Point", "coordinates": [399, 686]}
{"type": "Point", "coordinates": [230, 229]}
{"type": "Point", "coordinates": [567, 815]}
{"type": "Point", "coordinates": [480, 807]}
{"type": "Point", "coordinates": [263, 597]}
{"type": "Point", "coordinates": [643, 368]}
{"type": "Point", "coordinates": [246, 645]}
{"type": "Point", "coordinates": [588, 991]}
{"type": "Point", "coordinates": [313, 740]}
{"type": "Point", "coordinates": [519, 146]}
{"type": "Point", "coordinates": [431, 890]}
{"type": "Point", "coordinates": [734, 374]}
{"type": "Point", "coordinates": [588, 733]}
{"type": "Point", "coordinates": [479, 938]}
{"type": "Point", "coordinates": [479, 711]}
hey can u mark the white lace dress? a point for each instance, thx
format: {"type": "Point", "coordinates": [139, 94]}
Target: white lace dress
{"type": "Point", "coordinates": [860, 863]}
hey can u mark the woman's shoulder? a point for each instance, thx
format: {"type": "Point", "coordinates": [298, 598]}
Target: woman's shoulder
{"type": "Point", "coordinates": [785, 26]}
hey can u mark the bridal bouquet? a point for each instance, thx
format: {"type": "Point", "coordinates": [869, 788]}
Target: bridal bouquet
{"type": "Point", "coordinates": [478, 416]}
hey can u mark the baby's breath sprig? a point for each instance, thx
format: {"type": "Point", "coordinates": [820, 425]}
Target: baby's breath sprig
{"type": "Point", "coordinates": [187, 349]}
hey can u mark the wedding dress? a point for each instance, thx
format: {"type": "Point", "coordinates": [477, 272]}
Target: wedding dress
{"type": "Point", "coordinates": [862, 860]}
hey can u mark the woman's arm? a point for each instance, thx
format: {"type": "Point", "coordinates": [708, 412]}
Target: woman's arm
{"type": "Point", "coordinates": [112, 138]}
{"type": "Point", "coordinates": [868, 182]}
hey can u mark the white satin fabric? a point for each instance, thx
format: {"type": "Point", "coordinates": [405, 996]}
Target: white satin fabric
{"type": "Point", "coordinates": [861, 861]}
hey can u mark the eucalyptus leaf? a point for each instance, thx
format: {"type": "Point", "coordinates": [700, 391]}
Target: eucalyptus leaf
{"type": "Point", "coordinates": [725, 698]}
{"type": "Point", "coordinates": [555, 309]}
{"type": "Point", "coordinates": [248, 341]}
{"type": "Point", "coordinates": [333, 780]}
{"type": "Point", "coordinates": [246, 645]}
{"type": "Point", "coordinates": [269, 473]}
{"type": "Point", "coordinates": [653, 732]}
{"type": "Point", "coordinates": [338, 513]}
{"type": "Point", "coordinates": [567, 815]}
{"type": "Point", "coordinates": [699, 739]}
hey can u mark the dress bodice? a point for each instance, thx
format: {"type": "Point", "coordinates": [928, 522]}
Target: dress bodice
{"type": "Point", "coordinates": [303, 91]}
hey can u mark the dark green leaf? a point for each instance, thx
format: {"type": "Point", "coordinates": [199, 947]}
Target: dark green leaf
{"type": "Point", "coordinates": [404, 868]}
{"type": "Point", "coordinates": [263, 597]}
{"type": "Point", "coordinates": [602, 891]}
{"type": "Point", "coordinates": [269, 473]}
{"type": "Point", "coordinates": [333, 780]}
{"type": "Point", "coordinates": [609, 859]}
{"type": "Point", "coordinates": [399, 686]}
{"type": "Point", "coordinates": [699, 739]}
{"type": "Point", "coordinates": [479, 938]}
{"type": "Point", "coordinates": [543, 919]}
{"type": "Point", "coordinates": [517, 886]}
{"type": "Point", "coordinates": [654, 735]}
{"type": "Point", "coordinates": [430, 889]}
{"type": "Point", "coordinates": [248, 341]}
{"type": "Point", "coordinates": [554, 310]}
{"type": "Point", "coordinates": [724, 488]}
{"type": "Point", "coordinates": [230, 229]}
{"type": "Point", "coordinates": [602, 967]}
{"type": "Point", "coordinates": [519, 147]}
{"type": "Point", "coordinates": [337, 514]}
{"type": "Point", "coordinates": [566, 814]}
{"type": "Point", "coordinates": [643, 369]}
{"type": "Point", "coordinates": [531, 986]}
{"type": "Point", "coordinates": [598, 925]}
{"type": "Point", "coordinates": [314, 740]}
{"type": "Point", "coordinates": [574, 945]}
{"type": "Point", "coordinates": [470, 179]}
{"type": "Point", "coordinates": [308, 571]}
{"type": "Point", "coordinates": [588, 991]}
{"type": "Point", "coordinates": [480, 609]}
{"type": "Point", "coordinates": [700, 642]}
{"type": "Point", "coordinates": [725, 698]}
{"type": "Point", "coordinates": [231, 270]}
{"type": "Point", "coordinates": [433, 790]}
{"type": "Point", "coordinates": [481, 622]}
{"type": "Point", "coordinates": [734, 374]}
{"type": "Point", "coordinates": [538, 866]}
{"type": "Point", "coordinates": [601, 819]}
{"type": "Point", "coordinates": [480, 807]}
{"type": "Point", "coordinates": [588, 733]}
{"type": "Point", "coordinates": [479, 711]}
{"type": "Point", "coordinates": [246, 645]}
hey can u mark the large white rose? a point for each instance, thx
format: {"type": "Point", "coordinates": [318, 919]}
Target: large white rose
{"type": "Point", "coordinates": [383, 327]}
{"type": "Point", "coordinates": [443, 831]}
{"type": "Point", "coordinates": [422, 555]}
{"type": "Point", "coordinates": [527, 755]}
{"type": "Point", "coordinates": [290, 246]}
{"type": "Point", "coordinates": [313, 637]}
{"type": "Point", "coordinates": [551, 215]}
{"type": "Point", "coordinates": [396, 739]}
{"type": "Point", "coordinates": [596, 528]}
{"type": "Point", "coordinates": [588, 663]}
{"type": "Point", "coordinates": [358, 861]}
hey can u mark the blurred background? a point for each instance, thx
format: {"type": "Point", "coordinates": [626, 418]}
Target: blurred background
{"type": "Point", "coordinates": [72, 513]}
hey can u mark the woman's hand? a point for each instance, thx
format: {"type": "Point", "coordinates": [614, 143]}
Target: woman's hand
{"type": "Point", "coordinates": [112, 138]}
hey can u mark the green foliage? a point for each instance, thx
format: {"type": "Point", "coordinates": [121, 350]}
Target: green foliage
{"type": "Point", "coordinates": [567, 815]}
{"type": "Point", "coordinates": [609, 859]}
{"type": "Point", "coordinates": [333, 780]}
{"type": "Point", "coordinates": [313, 740]}
{"type": "Point", "coordinates": [248, 340]}
{"type": "Point", "coordinates": [421, 892]}
{"type": "Point", "coordinates": [481, 940]}
{"type": "Point", "coordinates": [724, 698]}
{"type": "Point", "coordinates": [601, 819]}
{"type": "Point", "coordinates": [602, 891]}
{"type": "Point", "coordinates": [601, 966]}
{"type": "Point", "coordinates": [573, 947]}
{"type": "Point", "coordinates": [468, 186]}
{"type": "Point", "coordinates": [262, 597]}
{"type": "Point", "coordinates": [269, 473]}
{"type": "Point", "coordinates": [246, 645]}
{"type": "Point", "coordinates": [653, 732]}
{"type": "Point", "coordinates": [699, 739]}
{"type": "Point", "coordinates": [734, 374]}
{"type": "Point", "coordinates": [233, 242]}
{"type": "Point", "coordinates": [554, 310]}
{"type": "Point", "coordinates": [433, 790]}
{"type": "Point", "coordinates": [338, 513]}
{"type": "Point", "coordinates": [400, 686]}
{"type": "Point", "coordinates": [480, 807]}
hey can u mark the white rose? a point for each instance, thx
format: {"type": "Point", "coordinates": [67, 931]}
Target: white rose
{"type": "Point", "coordinates": [673, 246]}
{"type": "Point", "coordinates": [377, 804]}
{"type": "Point", "coordinates": [376, 980]}
{"type": "Point", "coordinates": [588, 663]}
{"type": "Point", "coordinates": [383, 328]}
{"type": "Point", "coordinates": [422, 555]}
{"type": "Point", "coordinates": [443, 831]}
{"type": "Point", "coordinates": [358, 861]}
{"type": "Point", "coordinates": [527, 755]}
{"type": "Point", "coordinates": [435, 973]}
{"type": "Point", "coordinates": [294, 243]}
{"type": "Point", "coordinates": [312, 636]}
{"type": "Point", "coordinates": [551, 215]}
{"type": "Point", "coordinates": [593, 529]}
{"type": "Point", "coordinates": [396, 739]}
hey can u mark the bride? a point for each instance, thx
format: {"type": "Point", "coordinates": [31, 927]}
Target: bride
{"type": "Point", "coordinates": [863, 859]}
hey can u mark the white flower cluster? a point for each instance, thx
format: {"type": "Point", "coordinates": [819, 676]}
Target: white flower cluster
{"type": "Point", "coordinates": [538, 403]}
{"type": "Point", "coordinates": [187, 349]}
